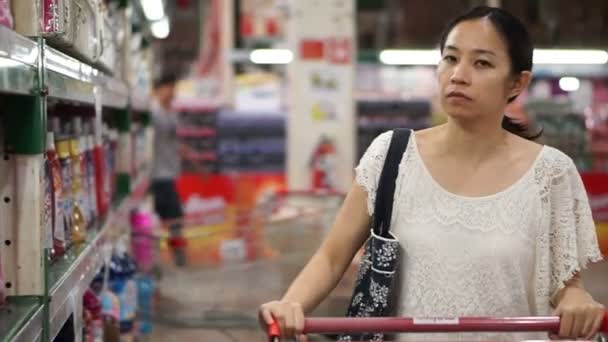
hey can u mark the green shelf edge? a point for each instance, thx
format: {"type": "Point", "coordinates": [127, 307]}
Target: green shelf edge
{"type": "Point", "coordinates": [16, 313]}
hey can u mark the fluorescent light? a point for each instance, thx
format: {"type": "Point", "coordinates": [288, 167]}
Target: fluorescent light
{"type": "Point", "coordinates": [153, 9]}
{"type": "Point", "coordinates": [271, 56]}
{"type": "Point", "coordinates": [569, 83]}
{"type": "Point", "coordinates": [160, 29]}
{"type": "Point", "coordinates": [570, 56]}
{"type": "Point", "coordinates": [410, 57]}
{"type": "Point", "coordinates": [541, 56]}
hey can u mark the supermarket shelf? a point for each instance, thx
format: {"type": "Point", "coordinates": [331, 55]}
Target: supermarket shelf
{"type": "Point", "coordinates": [67, 78]}
{"type": "Point", "coordinates": [21, 320]}
{"type": "Point", "coordinates": [195, 132]}
{"type": "Point", "coordinates": [70, 277]}
{"type": "Point", "coordinates": [18, 63]}
{"type": "Point", "coordinates": [114, 92]}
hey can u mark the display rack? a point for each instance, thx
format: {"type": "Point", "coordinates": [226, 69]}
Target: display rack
{"type": "Point", "coordinates": [198, 130]}
{"type": "Point", "coordinates": [377, 116]}
{"type": "Point", "coordinates": [43, 296]}
{"type": "Point", "coordinates": [252, 142]}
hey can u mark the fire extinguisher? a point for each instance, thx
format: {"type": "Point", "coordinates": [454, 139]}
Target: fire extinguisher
{"type": "Point", "coordinates": [323, 164]}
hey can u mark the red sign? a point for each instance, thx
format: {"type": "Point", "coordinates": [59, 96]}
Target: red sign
{"type": "Point", "coordinates": [312, 49]}
{"type": "Point", "coordinates": [339, 50]}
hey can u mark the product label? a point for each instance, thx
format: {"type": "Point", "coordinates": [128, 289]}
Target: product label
{"type": "Point", "coordinates": [51, 16]}
{"type": "Point", "coordinates": [436, 321]}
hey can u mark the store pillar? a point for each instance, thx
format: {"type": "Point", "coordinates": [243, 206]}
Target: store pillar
{"type": "Point", "coordinates": [321, 35]}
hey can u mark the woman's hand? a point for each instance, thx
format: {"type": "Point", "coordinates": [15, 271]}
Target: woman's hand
{"type": "Point", "coordinates": [581, 316]}
{"type": "Point", "coordinates": [288, 315]}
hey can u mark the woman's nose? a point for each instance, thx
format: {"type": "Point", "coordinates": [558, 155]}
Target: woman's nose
{"type": "Point", "coordinates": [460, 74]}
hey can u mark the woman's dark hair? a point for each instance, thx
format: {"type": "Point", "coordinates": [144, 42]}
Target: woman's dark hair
{"type": "Point", "coordinates": [519, 46]}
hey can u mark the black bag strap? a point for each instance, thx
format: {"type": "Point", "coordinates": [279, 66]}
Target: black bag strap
{"type": "Point", "coordinates": [383, 208]}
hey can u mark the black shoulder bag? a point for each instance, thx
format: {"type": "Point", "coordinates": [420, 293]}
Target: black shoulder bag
{"type": "Point", "coordinates": [374, 294]}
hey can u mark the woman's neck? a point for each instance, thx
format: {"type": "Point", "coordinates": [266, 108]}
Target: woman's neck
{"type": "Point", "coordinates": [473, 141]}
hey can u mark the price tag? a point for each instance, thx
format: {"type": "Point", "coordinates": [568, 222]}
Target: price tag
{"type": "Point", "coordinates": [436, 321]}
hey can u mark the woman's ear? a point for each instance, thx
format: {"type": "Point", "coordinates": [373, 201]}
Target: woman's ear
{"type": "Point", "coordinates": [520, 83]}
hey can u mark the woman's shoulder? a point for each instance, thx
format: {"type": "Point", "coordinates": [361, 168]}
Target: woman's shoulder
{"type": "Point", "coordinates": [553, 165]}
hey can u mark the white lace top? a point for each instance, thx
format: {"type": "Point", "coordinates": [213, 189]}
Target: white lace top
{"type": "Point", "coordinates": [500, 255]}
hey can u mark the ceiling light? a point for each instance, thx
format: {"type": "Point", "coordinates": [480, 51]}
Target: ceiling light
{"type": "Point", "coordinates": [160, 29]}
{"type": "Point", "coordinates": [410, 57]}
{"type": "Point", "coordinates": [570, 56]}
{"type": "Point", "coordinates": [569, 83]}
{"type": "Point", "coordinates": [271, 56]}
{"type": "Point", "coordinates": [153, 9]}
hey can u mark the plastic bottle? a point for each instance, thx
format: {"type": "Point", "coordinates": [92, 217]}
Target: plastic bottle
{"type": "Point", "coordinates": [146, 292]}
{"type": "Point", "coordinates": [113, 163]}
{"type": "Point", "coordinates": [84, 180]}
{"type": "Point", "coordinates": [63, 151]}
{"type": "Point", "coordinates": [91, 177]}
{"type": "Point", "coordinates": [47, 203]}
{"type": "Point", "coordinates": [59, 243]}
{"type": "Point", "coordinates": [142, 242]}
{"type": "Point", "coordinates": [108, 162]}
{"type": "Point", "coordinates": [93, 318]}
{"type": "Point", "coordinates": [79, 223]}
{"type": "Point", "coordinates": [100, 169]}
{"type": "Point", "coordinates": [78, 163]}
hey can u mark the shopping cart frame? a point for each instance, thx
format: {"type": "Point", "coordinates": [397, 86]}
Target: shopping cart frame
{"type": "Point", "coordinates": [327, 325]}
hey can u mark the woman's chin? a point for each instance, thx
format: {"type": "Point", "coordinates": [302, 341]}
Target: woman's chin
{"type": "Point", "coordinates": [459, 114]}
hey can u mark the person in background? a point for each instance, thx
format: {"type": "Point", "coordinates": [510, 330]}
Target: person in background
{"type": "Point", "coordinates": [492, 223]}
{"type": "Point", "coordinates": [167, 164]}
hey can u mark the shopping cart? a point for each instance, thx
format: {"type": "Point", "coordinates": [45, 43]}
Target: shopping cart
{"type": "Point", "coordinates": [248, 257]}
{"type": "Point", "coordinates": [437, 325]}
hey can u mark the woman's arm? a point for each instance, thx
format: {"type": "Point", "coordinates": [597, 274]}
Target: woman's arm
{"type": "Point", "coordinates": [324, 270]}
{"type": "Point", "coordinates": [327, 266]}
{"type": "Point", "coordinates": [581, 315]}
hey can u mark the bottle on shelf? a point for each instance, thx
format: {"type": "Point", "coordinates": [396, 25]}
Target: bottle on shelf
{"type": "Point", "coordinates": [63, 150]}
{"type": "Point", "coordinates": [46, 218]}
{"type": "Point", "coordinates": [58, 230]}
{"type": "Point", "coordinates": [92, 316]}
{"type": "Point", "coordinates": [79, 223]}
{"type": "Point", "coordinates": [112, 162]}
{"type": "Point", "coordinates": [108, 179]}
{"type": "Point", "coordinates": [90, 175]}
{"type": "Point", "coordinates": [99, 156]}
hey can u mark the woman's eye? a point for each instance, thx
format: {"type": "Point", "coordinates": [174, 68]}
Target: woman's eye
{"type": "Point", "coordinates": [449, 58]}
{"type": "Point", "coordinates": [482, 63]}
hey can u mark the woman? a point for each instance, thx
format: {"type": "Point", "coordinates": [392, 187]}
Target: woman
{"type": "Point", "coordinates": [492, 224]}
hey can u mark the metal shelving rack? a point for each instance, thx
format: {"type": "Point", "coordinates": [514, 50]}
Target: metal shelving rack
{"type": "Point", "coordinates": [43, 296]}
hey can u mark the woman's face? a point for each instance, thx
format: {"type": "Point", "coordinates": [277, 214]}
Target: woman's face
{"type": "Point", "coordinates": [475, 78]}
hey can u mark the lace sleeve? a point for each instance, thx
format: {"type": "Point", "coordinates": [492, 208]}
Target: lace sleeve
{"type": "Point", "coordinates": [572, 237]}
{"type": "Point", "coordinates": [370, 166]}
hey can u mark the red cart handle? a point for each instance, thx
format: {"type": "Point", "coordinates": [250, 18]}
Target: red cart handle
{"type": "Point", "coordinates": [432, 325]}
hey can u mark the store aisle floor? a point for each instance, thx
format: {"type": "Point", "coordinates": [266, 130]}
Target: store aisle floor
{"type": "Point", "coordinates": [165, 333]}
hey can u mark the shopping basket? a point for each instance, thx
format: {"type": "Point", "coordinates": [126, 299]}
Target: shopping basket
{"type": "Point", "coordinates": [249, 258]}
{"type": "Point", "coordinates": [432, 325]}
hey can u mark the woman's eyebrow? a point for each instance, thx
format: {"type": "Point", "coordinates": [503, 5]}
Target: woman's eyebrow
{"type": "Point", "coordinates": [477, 51]}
